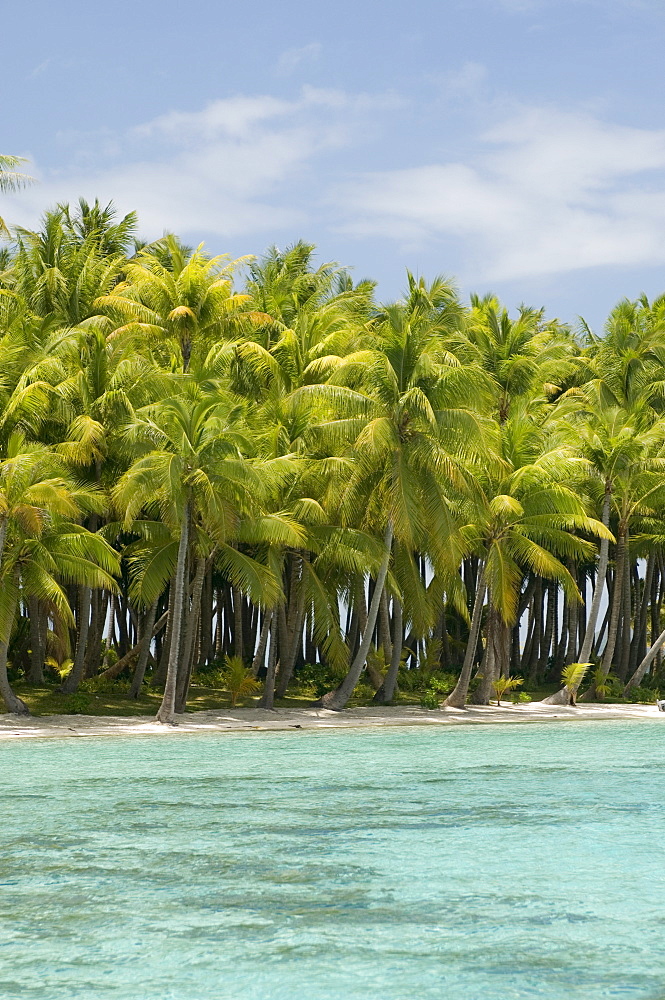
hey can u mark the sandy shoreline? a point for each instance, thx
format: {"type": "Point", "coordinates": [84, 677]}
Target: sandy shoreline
{"type": "Point", "coordinates": [250, 719]}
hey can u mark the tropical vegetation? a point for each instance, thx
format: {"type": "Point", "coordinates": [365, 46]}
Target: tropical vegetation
{"type": "Point", "coordinates": [250, 474]}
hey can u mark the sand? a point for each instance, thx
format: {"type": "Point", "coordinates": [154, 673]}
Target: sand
{"type": "Point", "coordinates": [252, 719]}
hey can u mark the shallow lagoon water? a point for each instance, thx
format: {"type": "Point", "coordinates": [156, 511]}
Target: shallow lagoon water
{"type": "Point", "coordinates": [492, 862]}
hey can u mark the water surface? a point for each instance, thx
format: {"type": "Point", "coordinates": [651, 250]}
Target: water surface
{"type": "Point", "coordinates": [492, 862]}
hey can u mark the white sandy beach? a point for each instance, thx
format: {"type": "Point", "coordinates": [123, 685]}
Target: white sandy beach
{"type": "Point", "coordinates": [252, 719]}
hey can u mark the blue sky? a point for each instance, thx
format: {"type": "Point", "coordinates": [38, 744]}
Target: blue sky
{"type": "Point", "coordinates": [517, 145]}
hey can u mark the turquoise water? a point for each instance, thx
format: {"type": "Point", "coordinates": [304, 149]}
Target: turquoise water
{"type": "Point", "coordinates": [492, 862]}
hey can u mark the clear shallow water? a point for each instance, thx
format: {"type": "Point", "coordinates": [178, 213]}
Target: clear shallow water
{"type": "Point", "coordinates": [493, 862]}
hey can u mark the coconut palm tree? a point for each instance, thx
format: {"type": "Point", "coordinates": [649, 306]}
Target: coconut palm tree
{"type": "Point", "coordinates": [38, 542]}
{"type": "Point", "coordinates": [11, 179]}
{"type": "Point", "coordinates": [192, 473]}
{"type": "Point", "coordinates": [402, 409]}
{"type": "Point", "coordinates": [179, 301]}
{"type": "Point", "coordinates": [519, 514]}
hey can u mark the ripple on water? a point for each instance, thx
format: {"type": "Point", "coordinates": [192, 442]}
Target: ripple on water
{"type": "Point", "coordinates": [400, 864]}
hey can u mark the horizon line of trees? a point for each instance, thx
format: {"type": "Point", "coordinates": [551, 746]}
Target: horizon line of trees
{"type": "Point", "coordinates": [203, 458]}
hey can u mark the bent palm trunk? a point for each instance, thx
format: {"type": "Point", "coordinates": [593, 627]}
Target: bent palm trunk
{"type": "Point", "coordinates": [144, 651]}
{"type": "Point", "coordinates": [457, 697]}
{"type": "Point", "coordinates": [386, 692]}
{"type": "Point", "coordinates": [13, 704]}
{"type": "Point", "coordinates": [637, 677]}
{"type": "Point", "coordinates": [337, 699]}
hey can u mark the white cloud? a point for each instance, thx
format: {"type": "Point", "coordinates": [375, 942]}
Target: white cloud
{"type": "Point", "coordinates": [542, 192]}
{"type": "Point", "coordinates": [545, 192]}
{"type": "Point", "coordinates": [289, 60]}
{"type": "Point", "coordinates": [235, 167]}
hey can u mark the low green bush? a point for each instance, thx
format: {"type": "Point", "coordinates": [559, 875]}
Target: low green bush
{"type": "Point", "coordinates": [106, 685]}
{"type": "Point", "coordinates": [430, 699]}
{"type": "Point", "coordinates": [76, 704]}
{"type": "Point", "coordinates": [642, 695]}
{"type": "Point", "coordinates": [316, 678]}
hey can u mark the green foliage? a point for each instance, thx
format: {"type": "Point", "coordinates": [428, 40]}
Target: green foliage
{"type": "Point", "coordinates": [238, 681]}
{"type": "Point", "coordinates": [643, 695]}
{"type": "Point", "coordinates": [317, 678]}
{"type": "Point", "coordinates": [280, 430]}
{"type": "Point", "coordinates": [606, 685]}
{"type": "Point", "coordinates": [424, 679]}
{"type": "Point", "coordinates": [573, 675]}
{"type": "Point", "coordinates": [430, 699]}
{"type": "Point", "coordinates": [520, 698]}
{"type": "Point", "coordinates": [363, 692]}
{"type": "Point", "coordinates": [76, 704]}
{"type": "Point", "coordinates": [504, 684]}
{"type": "Point", "coordinates": [106, 685]}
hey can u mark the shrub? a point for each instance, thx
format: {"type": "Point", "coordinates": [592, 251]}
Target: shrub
{"type": "Point", "coordinates": [642, 695]}
{"type": "Point", "coordinates": [317, 678]}
{"type": "Point", "coordinates": [607, 687]}
{"type": "Point", "coordinates": [430, 699]}
{"type": "Point", "coordinates": [76, 704]}
{"type": "Point", "coordinates": [106, 685]}
{"type": "Point", "coordinates": [520, 697]}
{"type": "Point", "coordinates": [364, 691]}
{"type": "Point", "coordinates": [238, 680]}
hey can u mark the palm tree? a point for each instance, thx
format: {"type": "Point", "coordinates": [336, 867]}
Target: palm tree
{"type": "Point", "coordinates": [403, 407]}
{"type": "Point", "coordinates": [38, 546]}
{"type": "Point", "coordinates": [193, 475]}
{"type": "Point", "coordinates": [11, 179]}
{"type": "Point", "coordinates": [76, 257]}
{"type": "Point", "coordinates": [519, 515]}
{"type": "Point", "coordinates": [179, 301]}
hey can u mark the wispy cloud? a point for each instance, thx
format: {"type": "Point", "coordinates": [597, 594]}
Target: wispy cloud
{"type": "Point", "coordinates": [291, 59]}
{"type": "Point", "coordinates": [542, 192]}
{"type": "Point", "coordinates": [545, 192]}
{"type": "Point", "coordinates": [235, 167]}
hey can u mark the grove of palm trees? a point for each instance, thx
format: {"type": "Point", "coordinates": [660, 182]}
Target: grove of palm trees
{"type": "Point", "coordinates": [251, 477]}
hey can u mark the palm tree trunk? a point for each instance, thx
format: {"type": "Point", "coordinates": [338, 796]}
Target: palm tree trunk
{"type": "Point", "coordinates": [457, 697]}
{"type": "Point", "coordinates": [639, 646]}
{"type": "Point", "coordinates": [110, 632]}
{"type": "Point", "coordinates": [238, 644]}
{"type": "Point", "coordinates": [624, 658]}
{"type": "Point", "coordinates": [603, 559]}
{"type": "Point", "coordinates": [188, 653]}
{"type": "Point", "coordinates": [386, 692]}
{"type": "Point", "coordinates": [384, 627]}
{"type": "Point", "coordinates": [337, 699]}
{"type": "Point", "coordinates": [75, 676]}
{"type": "Point", "coordinates": [549, 629]}
{"type": "Point", "coordinates": [260, 654]}
{"type": "Point", "coordinates": [144, 650]}
{"type": "Point", "coordinates": [573, 637]}
{"type": "Point", "coordinates": [93, 653]}
{"type": "Point", "coordinates": [267, 699]}
{"type": "Point", "coordinates": [13, 704]}
{"type": "Point", "coordinates": [533, 663]}
{"type": "Point", "coordinates": [166, 711]}
{"type": "Point", "coordinates": [117, 668]}
{"type": "Point", "coordinates": [616, 605]}
{"type": "Point", "coordinates": [637, 677]}
{"type": "Point", "coordinates": [491, 664]}
{"type": "Point", "coordinates": [295, 623]}
{"type": "Point", "coordinates": [36, 675]}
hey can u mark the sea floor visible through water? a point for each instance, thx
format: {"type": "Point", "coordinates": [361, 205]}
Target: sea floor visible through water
{"type": "Point", "coordinates": [485, 862]}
